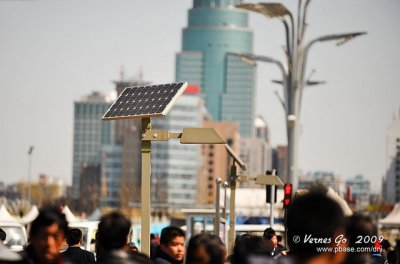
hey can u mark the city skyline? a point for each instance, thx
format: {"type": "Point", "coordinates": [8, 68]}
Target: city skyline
{"type": "Point", "coordinates": [54, 52]}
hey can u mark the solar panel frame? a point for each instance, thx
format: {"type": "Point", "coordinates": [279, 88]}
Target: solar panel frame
{"type": "Point", "coordinates": [126, 99]}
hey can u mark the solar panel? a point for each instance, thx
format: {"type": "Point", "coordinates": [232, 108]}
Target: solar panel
{"type": "Point", "coordinates": [145, 101]}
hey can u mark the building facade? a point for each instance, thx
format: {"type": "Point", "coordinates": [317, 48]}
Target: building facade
{"type": "Point", "coordinates": [216, 161]}
{"type": "Point", "coordinates": [175, 166]}
{"type": "Point", "coordinates": [391, 184]}
{"type": "Point", "coordinates": [216, 28]}
{"type": "Point", "coordinates": [90, 134]}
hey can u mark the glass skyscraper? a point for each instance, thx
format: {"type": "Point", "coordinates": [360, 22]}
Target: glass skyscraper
{"type": "Point", "coordinates": [216, 28]}
{"type": "Point", "coordinates": [90, 135]}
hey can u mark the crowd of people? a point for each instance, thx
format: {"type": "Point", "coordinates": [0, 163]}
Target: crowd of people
{"type": "Point", "coordinates": [318, 232]}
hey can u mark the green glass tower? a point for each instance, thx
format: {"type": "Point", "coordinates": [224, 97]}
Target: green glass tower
{"type": "Point", "coordinates": [216, 28]}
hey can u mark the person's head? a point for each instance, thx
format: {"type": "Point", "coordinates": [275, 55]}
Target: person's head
{"type": "Point", "coordinates": [270, 238]}
{"type": "Point", "coordinates": [279, 238]}
{"type": "Point", "coordinates": [392, 257]}
{"type": "Point", "coordinates": [172, 242]}
{"type": "Point", "coordinates": [206, 249]}
{"type": "Point", "coordinates": [314, 221]}
{"type": "Point", "coordinates": [47, 234]}
{"type": "Point", "coordinates": [113, 231]}
{"type": "Point", "coordinates": [360, 225]}
{"type": "Point", "coordinates": [74, 237]}
{"type": "Point", "coordinates": [3, 236]}
{"type": "Point", "coordinates": [247, 247]}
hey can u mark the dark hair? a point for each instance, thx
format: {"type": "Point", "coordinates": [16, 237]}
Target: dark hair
{"type": "Point", "coordinates": [392, 257]}
{"type": "Point", "coordinates": [312, 214]}
{"type": "Point", "coordinates": [279, 238]}
{"type": "Point", "coordinates": [113, 231]}
{"type": "Point", "coordinates": [246, 247]}
{"type": "Point", "coordinates": [47, 217]}
{"type": "Point", "coordinates": [74, 236]}
{"type": "Point", "coordinates": [3, 235]}
{"type": "Point", "coordinates": [169, 233]}
{"type": "Point", "coordinates": [269, 233]}
{"type": "Point", "coordinates": [360, 225]}
{"type": "Point", "coordinates": [212, 244]}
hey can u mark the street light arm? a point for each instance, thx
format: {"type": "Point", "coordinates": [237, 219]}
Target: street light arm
{"type": "Point", "coordinates": [346, 36]}
{"type": "Point", "coordinates": [304, 23]}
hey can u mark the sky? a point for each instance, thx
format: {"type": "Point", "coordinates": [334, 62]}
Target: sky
{"type": "Point", "coordinates": [54, 52]}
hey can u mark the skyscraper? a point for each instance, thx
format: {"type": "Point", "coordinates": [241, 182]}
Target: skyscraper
{"type": "Point", "coordinates": [175, 166]}
{"type": "Point", "coordinates": [90, 134]}
{"type": "Point", "coordinates": [216, 28]}
{"type": "Point", "coordinates": [392, 180]}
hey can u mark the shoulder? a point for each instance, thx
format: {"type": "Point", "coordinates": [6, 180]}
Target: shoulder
{"type": "Point", "coordinates": [161, 261]}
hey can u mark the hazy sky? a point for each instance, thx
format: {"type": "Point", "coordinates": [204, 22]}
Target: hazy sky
{"type": "Point", "coordinates": [54, 52]}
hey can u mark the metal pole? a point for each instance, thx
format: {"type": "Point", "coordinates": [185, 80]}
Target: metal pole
{"type": "Point", "coordinates": [272, 195]}
{"type": "Point", "coordinates": [232, 214]}
{"type": "Point", "coordinates": [30, 151]}
{"type": "Point", "coordinates": [146, 183]}
{"type": "Point", "coordinates": [217, 219]}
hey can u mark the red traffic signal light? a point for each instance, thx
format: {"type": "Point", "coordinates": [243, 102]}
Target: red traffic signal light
{"type": "Point", "coordinates": [287, 188]}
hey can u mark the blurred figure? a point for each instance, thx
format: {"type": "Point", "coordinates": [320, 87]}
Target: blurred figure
{"type": "Point", "coordinates": [112, 235]}
{"type": "Point", "coordinates": [3, 236]}
{"type": "Point", "coordinates": [313, 215]}
{"type": "Point", "coordinates": [248, 247]}
{"type": "Point", "coordinates": [74, 253]}
{"type": "Point", "coordinates": [153, 244]}
{"type": "Point", "coordinates": [362, 226]}
{"type": "Point", "coordinates": [47, 235]}
{"type": "Point", "coordinates": [271, 241]}
{"type": "Point", "coordinates": [280, 246]}
{"type": "Point", "coordinates": [386, 247]}
{"type": "Point", "coordinates": [171, 249]}
{"type": "Point", "coordinates": [392, 257]}
{"type": "Point", "coordinates": [206, 249]}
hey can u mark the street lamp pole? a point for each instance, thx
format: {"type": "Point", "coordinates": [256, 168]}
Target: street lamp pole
{"type": "Point", "coordinates": [30, 151]}
{"type": "Point", "coordinates": [293, 75]}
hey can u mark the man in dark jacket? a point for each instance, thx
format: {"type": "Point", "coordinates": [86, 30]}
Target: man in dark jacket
{"type": "Point", "coordinates": [112, 241]}
{"type": "Point", "coordinates": [74, 253]}
{"type": "Point", "coordinates": [47, 236]}
{"type": "Point", "coordinates": [171, 249]}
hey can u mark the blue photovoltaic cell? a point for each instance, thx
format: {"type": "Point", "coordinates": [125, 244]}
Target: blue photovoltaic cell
{"type": "Point", "coordinates": [145, 101]}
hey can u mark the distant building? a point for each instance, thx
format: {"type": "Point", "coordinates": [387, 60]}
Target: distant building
{"type": "Point", "coordinates": [216, 162]}
{"type": "Point", "coordinates": [256, 152]}
{"type": "Point", "coordinates": [391, 183]}
{"type": "Point", "coordinates": [360, 190]}
{"type": "Point", "coordinates": [280, 161]}
{"type": "Point", "coordinates": [327, 179]}
{"type": "Point", "coordinates": [90, 134]}
{"type": "Point", "coordinates": [175, 166]}
{"type": "Point", "coordinates": [90, 188]}
{"type": "Point", "coordinates": [216, 28]}
{"type": "Point", "coordinates": [127, 136]}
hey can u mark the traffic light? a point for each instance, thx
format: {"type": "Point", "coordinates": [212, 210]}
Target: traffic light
{"type": "Point", "coordinates": [287, 188]}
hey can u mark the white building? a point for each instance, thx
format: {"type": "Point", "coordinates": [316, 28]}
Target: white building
{"type": "Point", "coordinates": [175, 166]}
{"type": "Point", "coordinates": [391, 186]}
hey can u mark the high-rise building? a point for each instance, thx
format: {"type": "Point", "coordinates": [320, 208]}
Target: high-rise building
{"type": "Point", "coordinates": [216, 161]}
{"type": "Point", "coordinates": [90, 134]}
{"type": "Point", "coordinates": [175, 166]}
{"type": "Point", "coordinates": [391, 184]}
{"type": "Point", "coordinates": [215, 28]}
{"type": "Point", "coordinates": [127, 136]}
